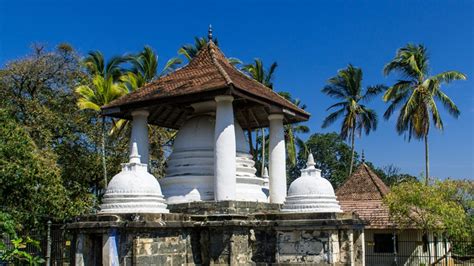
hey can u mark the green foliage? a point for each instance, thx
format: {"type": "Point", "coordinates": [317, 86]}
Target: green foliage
{"type": "Point", "coordinates": [13, 251]}
{"type": "Point", "coordinates": [257, 71]}
{"type": "Point", "coordinates": [346, 87]}
{"type": "Point", "coordinates": [46, 144]}
{"type": "Point", "coordinates": [331, 155]}
{"type": "Point", "coordinates": [433, 207]}
{"type": "Point", "coordinates": [417, 93]}
{"type": "Point", "coordinates": [189, 51]}
{"type": "Point", "coordinates": [31, 182]}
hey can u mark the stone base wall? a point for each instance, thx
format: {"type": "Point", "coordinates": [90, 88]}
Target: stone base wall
{"type": "Point", "coordinates": [218, 239]}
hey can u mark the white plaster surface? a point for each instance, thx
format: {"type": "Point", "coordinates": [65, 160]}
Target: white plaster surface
{"type": "Point", "coordinates": [133, 190]}
{"type": "Point", "coordinates": [225, 181]}
{"type": "Point", "coordinates": [140, 134]}
{"type": "Point", "coordinates": [311, 192]}
{"type": "Point", "coordinates": [190, 169]}
{"type": "Point", "coordinates": [277, 159]}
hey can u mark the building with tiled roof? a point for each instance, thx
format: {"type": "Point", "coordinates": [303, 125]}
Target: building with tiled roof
{"type": "Point", "coordinates": [385, 243]}
{"type": "Point", "coordinates": [363, 194]}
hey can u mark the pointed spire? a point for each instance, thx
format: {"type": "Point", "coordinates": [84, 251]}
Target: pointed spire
{"type": "Point", "coordinates": [310, 162]}
{"type": "Point", "coordinates": [363, 156]}
{"type": "Point", "coordinates": [134, 156]}
{"type": "Point", "coordinates": [209, 33]}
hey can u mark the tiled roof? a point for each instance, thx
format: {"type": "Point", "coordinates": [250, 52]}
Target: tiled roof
{"type": "Point", "coordinates": [208, 71]}
{"type": "Point", "coordinates": [363, 184]}
{"type": "Point", "coordinates": [362, 193]}
{"type": "Point", "coordinates": [374, 212]}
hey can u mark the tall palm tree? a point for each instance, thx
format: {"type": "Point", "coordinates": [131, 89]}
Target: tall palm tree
{"type": "Point", "coordinates": [103, 91]}
{"type": "Point", "coordinates": [189, 51]}
{"type": "Point", "coordinates": [291, 130]}
{"type": "Point", "coordinates": [257, 71]}
{"type": "Point", "coordinates": [346, 86]}
{"type": "Point", "coordinates": [145, 64]}
{"type": "Point", "coordinates": [95, 65]}
{"type": "Point", "coordinates": [417, 93]}
{"type": "Point", "coordinates": [145, 69]}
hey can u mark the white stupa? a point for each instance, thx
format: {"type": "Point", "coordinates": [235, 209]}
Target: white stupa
{"type": "Point", "coordinates": [133, 190]}
{"type": "Point", "coordinates": [190, 170]}
{"type": "Point", "coordinates": [311, 192]}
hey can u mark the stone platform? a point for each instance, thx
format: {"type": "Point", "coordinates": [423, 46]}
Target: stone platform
{"type": "Point", "coordinates": [225, 233]}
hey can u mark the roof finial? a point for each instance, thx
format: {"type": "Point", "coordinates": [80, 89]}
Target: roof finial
{"type": "Point", "coordinates": [209, 33]}
{"type": "Point", "coordinates": [363, 156]}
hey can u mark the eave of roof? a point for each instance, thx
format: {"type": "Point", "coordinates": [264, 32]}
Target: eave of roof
{"type": "Point", "coordinates": [208, 73]}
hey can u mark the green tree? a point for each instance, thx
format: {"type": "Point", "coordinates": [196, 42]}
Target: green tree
{"type": "Point", "coordinates": [432, 208]}
{"type": "Point", "coordinates": [145, 69]}
{"type": "Point", "coordinates": [24, 168]}
{"type": "Point", "coordinates": [331, 155]}
{"type": "Point", "coordinates": [14, 252]}
{"type": "Point", "coordinates": [96, 66]}
{"type": "Point", "coordinates": [189, 51]}
{"type": "Point", "coordinates": [292, 131]}
{"type": "Point", "coordinates": [346, 86]}
{"type": "Point", "coordinates": [36, 93]}
{"type": "Point", "coordinates": [257, 71]}
{"type": "Point", "coordinates": [102, 92]}
{"type": "Point", "coordinates": [416, 95]}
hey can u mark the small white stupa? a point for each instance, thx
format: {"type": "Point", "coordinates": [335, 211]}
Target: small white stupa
{"type": "Point", "coordinates": [311, 192]}
{"type": "Point", "coordinates": [133, 190]}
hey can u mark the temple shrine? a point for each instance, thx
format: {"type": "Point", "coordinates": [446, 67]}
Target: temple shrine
{"type": "Point", "coordinates": [211, 208]}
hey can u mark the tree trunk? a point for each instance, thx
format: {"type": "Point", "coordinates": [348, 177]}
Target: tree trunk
{"type": "Point", "coordinates": [353, 151]}
{"type": "Point", "coordinates": [249, 134]}
{"type": "Point", "coordinates": [263, 151]}
{"type": "Point", "coordinates": [427, 161]}
{"type": "Point", "coordinates": [104, 163]}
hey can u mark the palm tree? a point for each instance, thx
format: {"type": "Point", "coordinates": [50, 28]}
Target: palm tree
{"type": "Point", "coordinates": [257, 71]}
{"type": "Point", "coordinates": [145, 69]}
{"type": "Point", "coordinates": [103, 91]}
{"type": "Point", "coordinates": [145, 65]}
{"type": "Point", "coordinates": [291, 131]}
{"type": "Point", "coordinates": [417, 93]}
{"type": "Point", "coordinates": [346, 86]}
{"type": "Point", "coordinates": [189, 51]}
{"type": "Point", "coordinates": [95, 65]}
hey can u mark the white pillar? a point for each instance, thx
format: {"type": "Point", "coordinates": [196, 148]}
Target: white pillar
{"type": "Point", "coordinates": [224, 150]}
{"type": "Point", "coordinates": [277, 161]}
{"type": "Point", "coordinates": [110, 247]}
{"type": "Point", "coordinates": [140, 134]}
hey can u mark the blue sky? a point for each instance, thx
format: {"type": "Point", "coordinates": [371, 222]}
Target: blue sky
{"type": "Point", "coordinates": [310, 40]}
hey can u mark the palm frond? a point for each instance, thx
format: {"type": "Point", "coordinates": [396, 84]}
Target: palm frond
{"type": "Point", "coordinates": [449, 76]}
{"type": "Point", "coordinates": [333, 117]}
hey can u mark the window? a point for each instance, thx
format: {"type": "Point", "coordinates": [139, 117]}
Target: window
{"type": "Point", "coordinates": [383, 243]}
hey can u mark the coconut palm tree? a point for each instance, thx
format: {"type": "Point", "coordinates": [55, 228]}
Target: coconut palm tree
{"type": "Point", "coordinates": [417, 93]}
{"type": "Point", "coordinates": [145, 65]}
{"type": "Point", "coordinates": [346, 86]}
{"type": "Point", "coordinates": [103, 91]}
{"type": "Point", "coordinates": [292, 131]}
{"type": "Point", "coordinates": [145, 69]}
{"type": "Point", "coordinates": [189, 51]}
{"type": "Point", "coordinates": [257, 71]}
{"type": "Point", "coordinates": [95, 65]}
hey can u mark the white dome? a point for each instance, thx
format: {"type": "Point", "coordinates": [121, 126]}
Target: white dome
{"type": "Point", "coordinates": [133, 190]}
{"type": "Point", "coordinates": [190, 167]}
{"type": "Point", "coordinates": [311, 192]}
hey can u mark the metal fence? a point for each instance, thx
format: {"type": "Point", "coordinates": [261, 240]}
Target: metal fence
{"type": "Point", "coordinates": [55, 249]}
{"type": "Point", "coordinates": [421, 253]}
